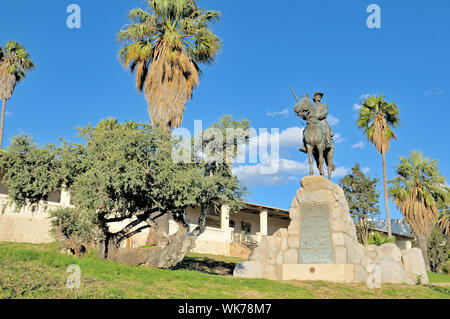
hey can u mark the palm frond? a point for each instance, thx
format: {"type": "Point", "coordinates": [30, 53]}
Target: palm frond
{"type": "Point", "coordinates": [165, 46]}
{"type": "Point", "coordinates": [14, 63]}
{"type": "Point", "coordinates": [417, 189]}
{"type": "Point", "coordinates": [376, 118]}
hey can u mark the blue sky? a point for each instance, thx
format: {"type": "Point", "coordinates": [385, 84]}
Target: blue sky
{"type": "Point", "coordinates": [268, 47]}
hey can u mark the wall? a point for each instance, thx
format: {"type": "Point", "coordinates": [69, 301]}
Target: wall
{"type": "Point", "coordinates": [24, 226]}
{"type": "Point", "coordinates": [275, 224]}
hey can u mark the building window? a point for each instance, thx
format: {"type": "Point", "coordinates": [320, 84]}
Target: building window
{"type": "Point", "coordinates": [232, 224]}
{"type": "Point", "coordinates": [246, 227]}
{"type": "Point", "coordinates": [54, 197]}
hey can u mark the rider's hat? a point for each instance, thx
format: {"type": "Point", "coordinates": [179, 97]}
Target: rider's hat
{"type": "Point", "coordinates": [318, 93]}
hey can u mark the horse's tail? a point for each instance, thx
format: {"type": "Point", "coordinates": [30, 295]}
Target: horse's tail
{"type": "Point", "coordinates": [328, 156]}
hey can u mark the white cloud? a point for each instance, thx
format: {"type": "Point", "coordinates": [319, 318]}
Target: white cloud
{"type": "Point", "coordinates": [357, 106]}
{"type": "Point", "coordinates": [338, 138]}
{"type": "Point", "coordinates": [332, 120]}
{"type": "Point", "coordinates": [290, 137]}
{"type": "Point", "coordinates": [434, 92]}
{"type": "Point", "coordinates": [365, 96]}
{"type": "Point", "coordinates": [365, 170]}
{"type": "Point", "coordinates": [358, 145]}
{"type": "Point", "coordinates": [283, 113]}
{"type": "Point", "coordinates": [285, 171]}
{"type": "Point", "coordinates": [9, 113]}
{"type": "Point", "coordinates": [340, 172]}
{"type": "Point", "coordinates": [268, 144]}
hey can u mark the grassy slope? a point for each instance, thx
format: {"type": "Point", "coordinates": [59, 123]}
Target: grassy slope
{"type": "Point", "coordinates": [38, 271]}
{"type": "Point", "coordinates": [438, 278]}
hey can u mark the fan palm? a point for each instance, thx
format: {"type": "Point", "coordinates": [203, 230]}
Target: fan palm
{"type": "Point", "coordinates": [164, 47]}
{"type": "Point", "coordinates": [376, 117]}
{"type": "Point", "coordinates": [444, 218]}
{"type": "Point", "coordinates": [14, 63]}
{"type": "Point", "coordinates": [417, 189]}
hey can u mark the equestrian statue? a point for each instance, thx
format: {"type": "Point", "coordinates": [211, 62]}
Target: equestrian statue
{"type": "Point", "coordinates": [317, 136]}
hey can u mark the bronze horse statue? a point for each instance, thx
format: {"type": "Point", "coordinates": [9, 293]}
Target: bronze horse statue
{"type": "Point", "coordinates": [314, 137]}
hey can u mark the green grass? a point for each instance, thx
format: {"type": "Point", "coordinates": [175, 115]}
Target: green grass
{"type": "Point", "coordinates": [39, 271]}
{"type": "Point", "coordinates": [438, 278]}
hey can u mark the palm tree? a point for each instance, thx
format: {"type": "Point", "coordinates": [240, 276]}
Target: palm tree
{"type": "Point", "coordinates": [444, 217]}
{"type": "Point", "coordinates": [14, 63]}
{"type": "Point", "coordinates": [164, 47]}
{"type": "Point", "coordinates": [376, 117]}
{"type": "Point", "coordinates": [417, 189]}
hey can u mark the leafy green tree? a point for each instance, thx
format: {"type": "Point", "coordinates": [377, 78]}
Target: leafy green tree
{"type": "Point", "coordinates": [362, 197]}
{"type": "Point", "coordinates": [224, 138]}
{"type": "Point", "coordinates": [165, 47]}
{"type": "Point", "coordinates": [438, 250]}
{"type": "Point", "coordinates": [417, 189]}
{"type": "Point", "coordinates": [15, 62]}
{"type": "Point", "coordinates": [123, 173]}
{"type": "Point", "coordinates": [378, 239]}
{"type": "Point", "coordinates": [377, 118]}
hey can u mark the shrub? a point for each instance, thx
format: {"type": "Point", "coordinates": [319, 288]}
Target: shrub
{"type": "Point", "coordinates": [379, 239]}
{"type": "Point", "coordinates": [438, 248]}
{"type": "Point", "coordinates": [74, 229]}
{"type": "Point", "coordinates": [446, 268]}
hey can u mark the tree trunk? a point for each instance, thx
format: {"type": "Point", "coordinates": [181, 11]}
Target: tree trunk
{"type": "Point", "coordinates": [165, 255]}
{"type": "Point", "coordinates": [154, 236]}
{"type": "Point", "coordinates": [109, 247]}
{"type": "Point", "coordinates": [388, 218]}
{"type": "Point", "coordinates": [2, 123]}
{"type": "Point", "coordinates": [170, 250]}
{"type": "Point", "coordinates": [423, 245]}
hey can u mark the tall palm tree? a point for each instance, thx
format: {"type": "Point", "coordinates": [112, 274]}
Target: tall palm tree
{"type": "Point", "coordinates": [417, 189]}
{"type": "Point", "coordinates": [164, 47]}
{"type": "Point", "coordinates": [376, 117]}
{"type": "Point", "coordinates": [14, 63]}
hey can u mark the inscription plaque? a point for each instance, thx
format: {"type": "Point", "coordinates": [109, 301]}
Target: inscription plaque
{"type": "Point", "coordinates": [315, 241]}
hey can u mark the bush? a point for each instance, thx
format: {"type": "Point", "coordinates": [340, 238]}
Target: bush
{"type": "Point", "coordinates": [446, 268]}
{"type": "Point", "coordinates": [379, 239]}
{"type": "Point", "coordinates": [74, 229]}
{"type": "Point", "coordinates": [438, 248]}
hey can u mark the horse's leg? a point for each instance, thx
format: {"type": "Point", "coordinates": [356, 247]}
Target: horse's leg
{"type": "Point", "coordinates": [309, 148]}
{"type": "Point", "coordinates": [320, 162]}
{"type": "Point", "coordinates": [316, 156]}
{"type": "Point", "coordinates": [329, 159]}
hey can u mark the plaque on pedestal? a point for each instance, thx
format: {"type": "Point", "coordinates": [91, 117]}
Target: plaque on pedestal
{"type": "Point", "coordinates": [315, 238]}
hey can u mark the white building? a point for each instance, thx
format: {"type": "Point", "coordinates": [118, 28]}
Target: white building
{"type": "Point", "coordinates": [226, 234]}
{"type": "Point", "coordinates": [246, 226]}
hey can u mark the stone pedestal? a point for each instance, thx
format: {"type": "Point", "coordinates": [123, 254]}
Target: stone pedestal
{"type": "Point", "coordinates": [321, 244]}
{"type": "Point", "coordinates": [314, 272]}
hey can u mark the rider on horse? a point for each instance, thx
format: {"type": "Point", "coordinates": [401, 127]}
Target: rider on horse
{"type": "Point", "coordinates": [320, 112]}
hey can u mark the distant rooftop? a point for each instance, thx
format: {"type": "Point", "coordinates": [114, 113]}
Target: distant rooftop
{"type": "Point", "coordinates": [399, 227]}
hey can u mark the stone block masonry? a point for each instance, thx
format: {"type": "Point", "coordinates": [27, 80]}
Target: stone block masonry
{"type": "Point", "coordinates": [320, 243]}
